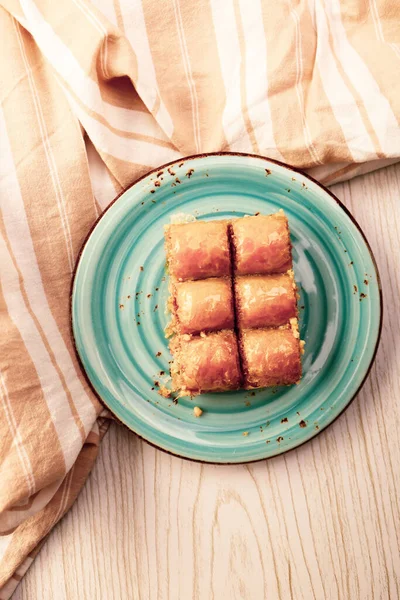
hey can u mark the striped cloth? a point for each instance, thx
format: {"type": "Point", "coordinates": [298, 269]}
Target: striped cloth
{"type": "Point", "coordinates": [93, 96]}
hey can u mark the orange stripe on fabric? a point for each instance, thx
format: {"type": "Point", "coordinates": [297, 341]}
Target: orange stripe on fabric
{"type": "Point", "coordinates": [340, 173]}
{"type": "Point", "coordinates": [93, 438]}
{"type": "Point", "coordinates": [43, 337]}
{"type": "Point", "coordinates": [120, 20]}
{"type": "Point", "coordinates": [299, 86]}
{"type": "Point", "coordinates": [242, 46]}
{"type": "Point", "coordinates": [121, 66]}
{"type": "Point", "coordinates": [357, 98]}
{"type": "Point", "coordinates": [45, 225]}
{"type": "Point", "coordinates": [325, 133]}
{"type": "Point", "coordinates": [12, 421]}
{"type": "Point", "coordinates": [25, 504]}
{"type": "Point", "coordinates": [118, 187]}
{"type": "Point", "coordinates": [106, 56]}
{"type": "Point", "coordinates": [162, 33]}
{"type": "Point", "coordinates": [124, 134]}
{"type": "Point", "coordinates": [379, 36]}
{"type": "Point", "coordinates": [28, 536]}
{"type": "Point", "coordinates": [24, 389]}
{"type": "Point", "coordinates": [61, 131]}
{"type": "Point", "coordinates": [43, 138]}
{"type": "Point", "coordinates": [189, 74]}
{"type": "Point", "coordinates": [202, 55]}
{"type": "Point", "coordinates": [280, 33]}
{"type": "Point", "coordinates": [75, 21]}
{"type": "Point", "coordinates": [124, 173]}
{"type": "Point", "coordinates": [146, 82]}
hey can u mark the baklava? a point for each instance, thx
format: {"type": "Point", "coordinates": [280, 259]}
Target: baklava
{"type": "Point", "coordinates": [233, 303]}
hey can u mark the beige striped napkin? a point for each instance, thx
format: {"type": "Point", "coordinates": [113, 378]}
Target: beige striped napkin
{"type": "Point", "coordinates": [93, 95]}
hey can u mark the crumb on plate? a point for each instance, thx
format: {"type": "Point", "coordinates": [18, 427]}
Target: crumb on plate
{"type": "Point", "coordinates": [164, 391]}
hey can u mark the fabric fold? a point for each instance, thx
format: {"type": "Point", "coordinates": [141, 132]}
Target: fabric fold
{"type": "Point", "coordinates": [92, 96]}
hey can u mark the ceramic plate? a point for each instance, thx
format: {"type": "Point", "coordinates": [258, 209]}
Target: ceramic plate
{"type": "Point", "coordinates": [120, 291]}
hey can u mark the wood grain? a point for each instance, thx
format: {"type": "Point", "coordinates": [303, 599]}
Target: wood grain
{"type": "Point", "coordinates": [321, 522]}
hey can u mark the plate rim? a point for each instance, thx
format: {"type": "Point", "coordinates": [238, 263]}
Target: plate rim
{"type": "Point", "coordinates": [202, 156]}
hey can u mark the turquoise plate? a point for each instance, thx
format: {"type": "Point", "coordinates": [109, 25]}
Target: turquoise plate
{"type": "Point", "coordinates": [120, 292]}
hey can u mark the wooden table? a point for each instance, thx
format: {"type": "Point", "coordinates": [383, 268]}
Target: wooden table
{"type": "Point", "coordinates": [321, 522]}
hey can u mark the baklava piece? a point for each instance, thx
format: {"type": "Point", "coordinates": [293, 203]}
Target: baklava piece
{"type": "Point", "coordinates": [198, 250]}
{"type": "Point", "coordinates": [204, 305]}
{"type": "Point", "coordinates": [206, 363]}
{"type": "Point", "coordinates": [261, 244]}
{"type": "Point", "coordinates": [265, 300]}
{"type": "Point", "coordinates": [270, 356]}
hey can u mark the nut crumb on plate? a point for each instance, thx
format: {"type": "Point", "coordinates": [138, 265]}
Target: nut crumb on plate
{"type": "Point", "coordinates": [164, 391]}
